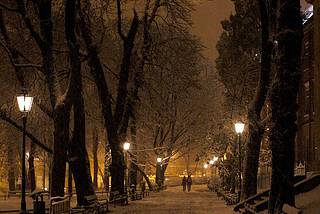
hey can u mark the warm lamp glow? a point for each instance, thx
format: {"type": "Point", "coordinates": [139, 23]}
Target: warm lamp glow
{"type": "Point", "coordinates": [126, 146]}
{"type": "Point", "coordinates": [239, 127]}
{"type": "Point", "coordinates": [24, 102]}
{"type": "Point", "coordinates": [213, 160]}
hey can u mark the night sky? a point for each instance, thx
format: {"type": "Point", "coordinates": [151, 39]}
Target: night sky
{"type": "Point", "coordinates": [207, 18]}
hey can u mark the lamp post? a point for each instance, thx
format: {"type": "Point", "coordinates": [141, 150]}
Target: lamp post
{"type": "Point", "coordinates": [159, 177]}
{"type": "Point", "coordinates": [25, 104]}
{"type": "Point", "coordinates": [126, 147]}
{"type": "Point", "coordinates": [239, 129]}
{"type": "Point", "coordinates": [212, 163]}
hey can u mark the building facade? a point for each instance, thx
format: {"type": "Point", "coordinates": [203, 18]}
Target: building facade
{"type": "Point", "coordinates": [308, 121]}
{"type": "Point", "coordinates": [305, 139]}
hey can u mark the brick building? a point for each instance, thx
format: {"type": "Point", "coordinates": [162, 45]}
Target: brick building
{"type": "Point", "coordinates": [308, 121]}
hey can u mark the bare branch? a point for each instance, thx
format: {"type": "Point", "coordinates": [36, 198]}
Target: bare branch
{"type": "Point", "coordinates": [4, 117]}
{"type": "Point", "coordinates": [8, 8]}
{"type": "Point", "coordinates": [12, 60]}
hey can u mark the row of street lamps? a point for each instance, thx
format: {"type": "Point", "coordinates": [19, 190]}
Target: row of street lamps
{"type": "Point", "coordinates": [25, 104]}
{"type": "Point", "coordinates": [239, 127]}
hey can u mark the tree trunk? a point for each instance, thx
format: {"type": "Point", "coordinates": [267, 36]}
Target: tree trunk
{"type": "Point", "coordinates": [284, 107]}
{"type": "Point", "coordinates": [107, 163]}
{"type": "Point", "coordinates": [31, 173]}
{"type": "Point", "coordinates": [112, 122]}
{"type": "Point", "coordinates": [117, 168]}
{"type": "Point", "coordinates": [11, 171]}
{"type": "Point", "coordinates": [145, 176]}
{"type": "Point", "coordinates": [78, 156]}
{"type": "Point", "coordinates": [61, 137]}
{"type": "Point", "coordinates": [160, 170]}
{"type": "Point", "coordinates": [251, 161]}
{"type": "Point", "coordinates": [95, 156]}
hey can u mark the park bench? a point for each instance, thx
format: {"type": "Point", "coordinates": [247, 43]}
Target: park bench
{"type": "Point", "coordinates": [95, 205]}
{"type": "Point", "coordinates": [230, 198]}
{"type": "Point", "coordinates": [4, 195]}
{"type": "Point", "coordinates": [14, 193]}
{"type": "Point", "coordinates": [117, 197]}
{"type": "Point", "coordinates": [145, 191]}
{"type": "Point", "coordinates": [135, 193]}
{"type": "Point", "coordinates": [59, 205]}
{"type": "Point", "coordinates": [159, 188]}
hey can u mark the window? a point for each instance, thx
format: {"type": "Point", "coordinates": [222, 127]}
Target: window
{"type": "Point", "coordinates": [306, 98]}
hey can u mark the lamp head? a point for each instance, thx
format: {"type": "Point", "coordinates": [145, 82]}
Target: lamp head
{"type": "Point", "coordinates": [239, 127]}
{"type": "Point", "coordinates": [126, 146]}
{"type": "Point", "coordinates": [24, 101]}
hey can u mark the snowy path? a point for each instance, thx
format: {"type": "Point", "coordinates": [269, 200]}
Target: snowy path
{"type": "Point", "coordinates": [173, 200]}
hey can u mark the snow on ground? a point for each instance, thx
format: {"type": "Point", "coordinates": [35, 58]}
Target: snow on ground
{"type": "Point", "coordinates": [200, 200]}
{"type": "Point", "coordinates": [309, 202]}
{"type": "Point", "coordinates": [173, 200]}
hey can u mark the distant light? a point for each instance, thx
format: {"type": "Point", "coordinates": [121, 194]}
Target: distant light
{"type": "Point", "coordinates": [46, 188]}
{"type": "Point", "coordinates": [211, 162]}
{"type": "Point", "coordinates": [239, 127]}
{"type": "Point", "coordinates": [159, 160]}
{"type": "Point", "coordinates": [215, 158]}
{"type": "Point", "coordinates": [126, 146]}
{"type": "Point", "coordinates": [205, 166]}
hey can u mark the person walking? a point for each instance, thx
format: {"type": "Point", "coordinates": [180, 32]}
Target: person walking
{"type": "Point", "coordinates": [189, 182]}
{"type": "Point", "coordinates": [184, 183]}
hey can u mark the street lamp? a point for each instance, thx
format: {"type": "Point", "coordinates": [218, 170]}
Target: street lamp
{"type": "Point", "coordinates": [126, 147]}
{"type": "Point", "coordinates": [212, 163]}
{"type": "Point", "coordinates": [159, 176]}
{"type": "Point", "coordinates": [25, 104]}
{"type": "Point", "coordinates": [239, 129]}
{"type": "Point", "coordinates": [205, 166]}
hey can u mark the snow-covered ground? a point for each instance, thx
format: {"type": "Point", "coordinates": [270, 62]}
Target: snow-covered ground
{"type": "Point", "coordinates": [173, 200]}
{"type": "Point", "coordinates": [309, 202]}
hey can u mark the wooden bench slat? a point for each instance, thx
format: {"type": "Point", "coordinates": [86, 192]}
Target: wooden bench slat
{"type": "Point", "coordinates": [59, 205]}
{"type": "Point", "coordinates": [117, 197]}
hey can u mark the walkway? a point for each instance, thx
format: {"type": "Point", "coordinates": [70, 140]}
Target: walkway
{"type": "Point", "coordinates": [172, 200]}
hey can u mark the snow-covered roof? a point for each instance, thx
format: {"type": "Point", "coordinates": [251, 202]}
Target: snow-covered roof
{"type": "Point", "coordinates": [308, 14]}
